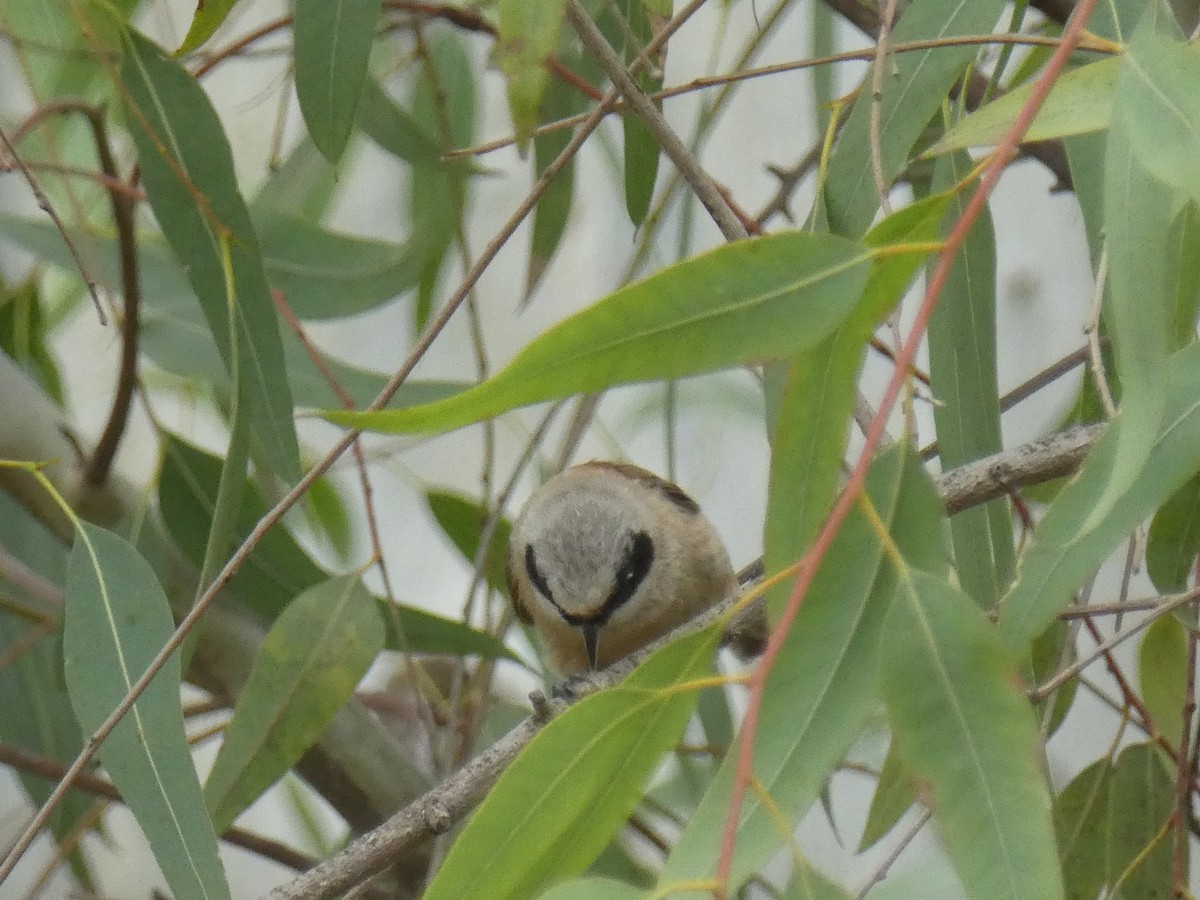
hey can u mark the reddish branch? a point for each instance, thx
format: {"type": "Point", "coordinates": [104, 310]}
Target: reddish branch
{"type": "Point", "coordinates": [1004, 153]}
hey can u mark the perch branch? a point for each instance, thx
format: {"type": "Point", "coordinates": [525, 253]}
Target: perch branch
{"type": "Point", "coordinates": [438, 810]}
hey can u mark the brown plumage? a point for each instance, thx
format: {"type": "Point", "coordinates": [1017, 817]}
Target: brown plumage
{"type": "Point", "coordinates": [606, 557]}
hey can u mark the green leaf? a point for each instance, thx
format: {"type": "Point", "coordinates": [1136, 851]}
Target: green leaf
{"type": "Point", "coordinates": [189, 178]}
{"type": "Point", "coordinates": [1174, 540]}
{"type": "Point", "coordinates": [752, 300]}
{"type": "Point", "coordinates": [1162, 675]}
{"type": "Point", "coordinates": [303, 185]}
{"type": "Point", "coordinates": [1079, 103]}
{"type": "Point", "coordinates": [309, 665]}
{"type": "Point", "coordinates": [1183, 262]}
{"type": "Point", "coordinates": [641, 146]}
{"type": "Point", "coordinates": [1157, 95]}
{"type": "Point", "coordinates": [325, 275]}
{"type": "Point", "coordinates": [527, 37]}
{"type": "Point", "coordinates": [1107, 817]}
{"type": "Point", "coordinates": [207, 19]}
{"type": "Point", "coordinates": [24, 336]}
{"type": "Point", "coordinates": [966, 730]}
{"type": "Point", "coordinates": [462, 520]}
{"type": "Point", "coordinates": [395, 129]}
{"type": "Point", "coordinates": [894, 795]}
{"type": "Point", "coordinates": [913, 90]}
{"type": "Point", "coordinates": [554, 206]}
{"type": "Point", "coordinates": [1138, 212]}
{"type": "Point", "coordinates": [962, 369]}
{"type": "Point", "coordinates": [278, 569]}
{"type": "Point", "coordinates": [117, 619]}
{"type": "Point", "coordinates": [594, 889]}
{"type": "Point", "coordinates": [563, 798]}
{"type": "Point", "coordinates": [1058, 559]}
{"type": "Point", "coordinates": [825, 677]}
{"type": "Point", "coordinates": [331, 45]}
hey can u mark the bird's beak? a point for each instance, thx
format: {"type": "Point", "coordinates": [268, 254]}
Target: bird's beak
{"type": "Point", "coordinates": [591, 641]}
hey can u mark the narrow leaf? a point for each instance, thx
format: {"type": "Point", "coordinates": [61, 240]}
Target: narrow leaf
{"type": "Point", "coordinates": [914, 88]}
{"type": "Point", "coordinates": [1108, 816]}
{"type": "Point", "coordinates": [1079, 103]}
{"type": "Point", "coordinates": [331, 45]}
{"type": "Point", "coordinates": [117, 619]}
{"type": "Point", "coordinates": [207, 19]}
{"type": "Point", "coordinates": [1174, 540]}
{"type": "Point", "coordinates": [1162, 675]}
{"type": "Point", "coordinates": [527, 36]}
{"type": "Point", "coordinates": [752, 300]}
{"type": "Point", "coordinates": [825, 676]}
{"type": "Point", "coordinates": [188, 173]}
{"type": "Point", "coordinates": [462, 520]}
{"type": "Point", "coordinates": [560, 802]}
{"type": "Point", "coordinates": [310, 663]}
{"type": "Point", "coordinates": [965, 729]}
{"type": "Point", "coordinates": [1159, 100]}
{"type": "Point", "coordinates": [1138, 212]}
{"type": "Point", "coordinates": [962, 369]}
{"type": "Point", "coordinates": [1058, 559]}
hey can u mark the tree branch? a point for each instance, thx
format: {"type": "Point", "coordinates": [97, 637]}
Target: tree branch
{"type": "Point", "coordinates": [437, 811]}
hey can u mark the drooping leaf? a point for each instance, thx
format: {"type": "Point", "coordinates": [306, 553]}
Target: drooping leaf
{"type": "Point", "coordinates": [462, 520]}
{"type": "Point", "coordinates": [332, 43]}
{"type": "Point", "coordinates": [208, 18]}
{"type": "Point", "coordinates": [1163, 675]}
{"type": "Point", "coordinates": [310, 663]}
{"type": "Point", "coordinates": [1174, 540]}
{"type": "Point", "coordinates": [914, 89]}
{"type": "Point", "coordinates": [1158, 99]}
{"type": "Point", "coordinates": [641, 146]}
{"type": "Point", "coordinates": [751, 300]}
{"type": "Point", "coordinates": [962, 370]}
{"type": "Point", "coordinates": [1139, 305]}
{"type": "Point", "coordinates": [894, 795]}
{"type": "Point", "coordinates": [278, 569]}
{"type": "Point", "coordinates": [825, 676]}
{"type": "Point", "coordinates": [1057, 559]}
{"type": "Point", "coordinates": [1107, 817]}
{"type": "Point", "coordinates": [561, 800]}
{"type": "Point", "coordinates": [527, 36]}
{"type": "Point", "coordinates": [117, 619]}
{"type": "Point", "coordinates": [1079, 103]}
{"type": "Point", "coordinates": [967, 732]}
{"type": "Point", "coordinates": [188, 173]}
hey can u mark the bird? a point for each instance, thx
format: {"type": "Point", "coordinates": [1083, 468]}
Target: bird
{"type": "Point", "coordinates": [605, 557]}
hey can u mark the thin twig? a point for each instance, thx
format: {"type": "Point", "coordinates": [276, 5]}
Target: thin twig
{"type": "Point", "coordinates": [52, 770]}
{"type": "Point", "coordinates": [705, 188]}
{"type": "Point", "coordinates": [881, 870]}
{"type": "Point", "coordinates": [1165, 605]}
{"type": "Point", "coordinates": [44, 203]}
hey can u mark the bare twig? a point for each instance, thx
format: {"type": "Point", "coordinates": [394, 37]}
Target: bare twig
{"type": "Point", "coordinates": [52, 769]}
{"type": "Point", "coordinates": [44, 203]}
{"type": "Point", "coordinates": [705, 188]}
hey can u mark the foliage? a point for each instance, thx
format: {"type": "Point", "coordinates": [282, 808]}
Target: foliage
{"type": "Point", "coordinates": [934, 654]}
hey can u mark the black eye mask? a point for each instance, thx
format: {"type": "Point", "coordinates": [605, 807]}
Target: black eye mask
{"type": "Point", "coordinates": [635, 566]}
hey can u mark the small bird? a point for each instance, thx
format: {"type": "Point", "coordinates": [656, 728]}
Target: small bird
{"type": "Point", "coordinates": [606, 557]}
